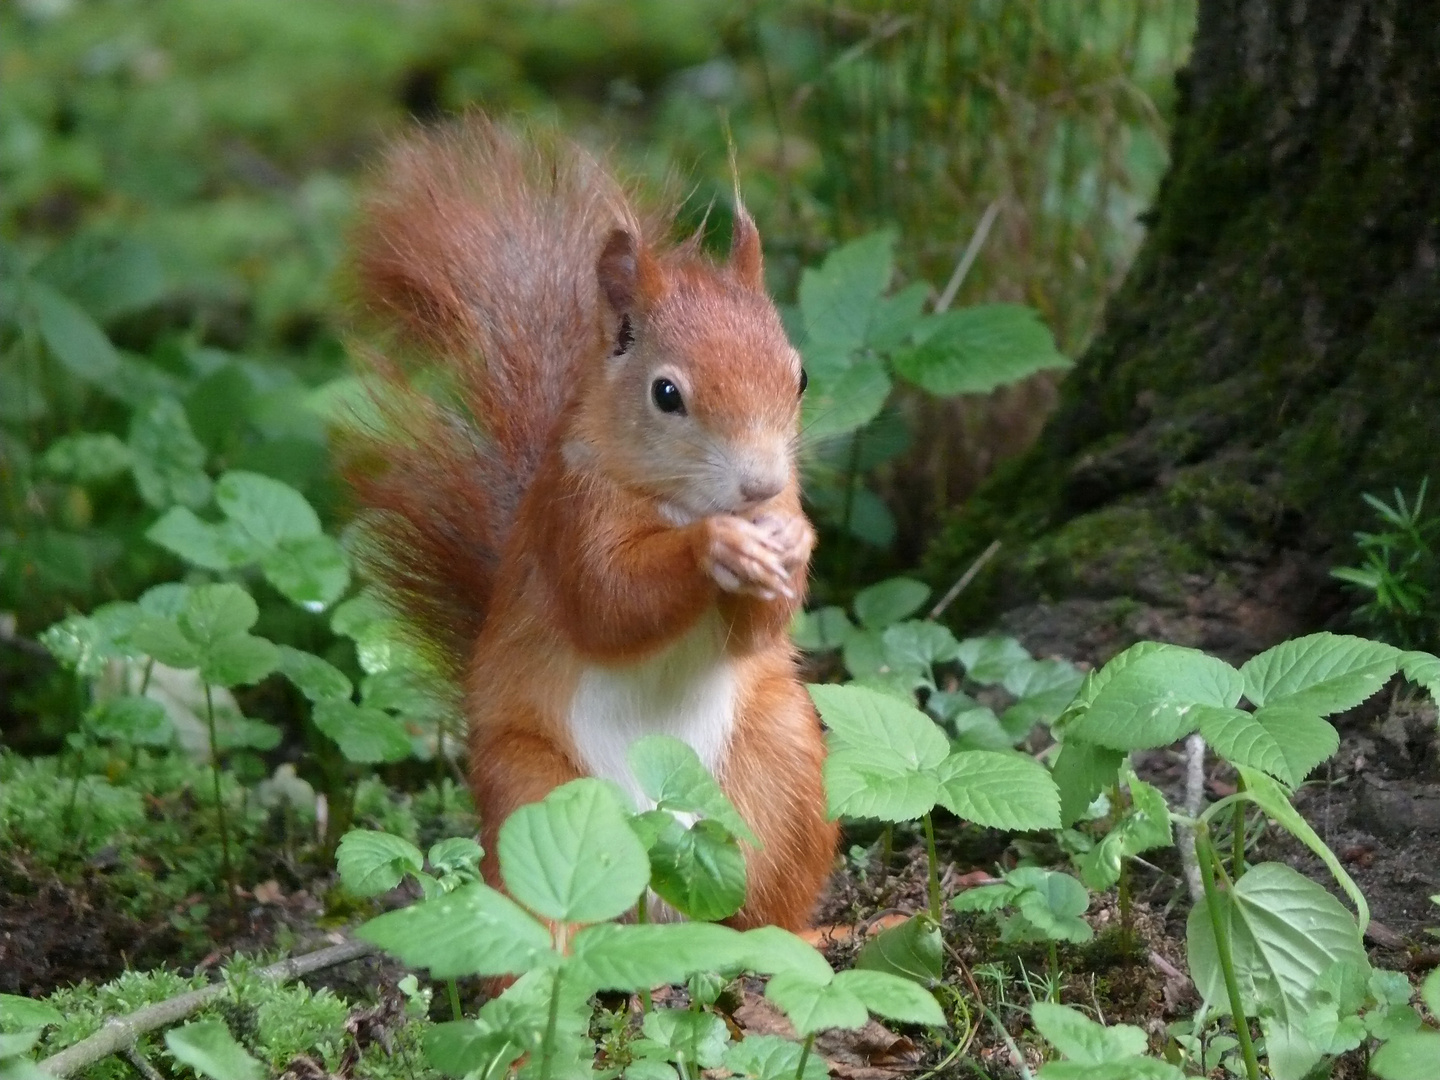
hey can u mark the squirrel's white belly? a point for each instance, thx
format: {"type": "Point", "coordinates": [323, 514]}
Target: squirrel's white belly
{"type": "Point", "coordinates": [688, 690]}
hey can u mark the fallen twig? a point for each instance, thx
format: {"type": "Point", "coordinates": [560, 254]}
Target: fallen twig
{"type": "Point", "coordinates": [965, 579]}
{"type": "Point", "coordinates": [119, 1033]}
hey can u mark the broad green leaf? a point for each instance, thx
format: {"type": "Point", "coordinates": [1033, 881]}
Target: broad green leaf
{"type": "Point", "coordinates": [238, 660]}
{"type": "Point", "coordinates": [1030, 678]}
{"type": "Point", "coordinates": [1430, 992]}
{"type": "Point", "coordinates": [877, 785]}
{"type": "Point", "coordinates": [365, 735]}
{"type": "Point", "coordinates": [975, 350]}
{"type": "Point", "coordinates": [1150, 699]}
{"type": "Point", "coordinates": [107, 276]}
{"type": "Point", "coordinates": [1081, 771]}
{"type": "Point", "coordinates": [162, 639]}
{"type": "Point", "coordinates": [875, 723]}
{"type": "Point", "coordinates": [821, 630]}
{"type": "Point", "coordinates": [866, 659]}
{"type": "Point", "coordinates": [139, 721]}
{"type": "Point", "coordinates": [455, 853]}
{"type": "Point", "coordinates": [616, 956]}
{"type": "Point", "coordinates": [1327, 1032]}
{"type": "Point", "coordinates": [1097, 680]}
{"type": "Point", "coordinates": [1344, 985]}
{"type": "Point", "coordinates": [771, 1057]}
{"type": "Point", "coordinates": [471, 931]}
{"type": "Point", "coordinates": [644, 1068]}
{"type": "Point", "coordinates": [987, 898]}
{"type": "Point", "coordinates": [989, 660]}
{"type": "Point", "coordinates": [208, 1047]}
{"type": "Point", "coordinates": [839, 403]}
{"type": "Point", "coordinates": [72, 336]}
{"type": "Point", "coordinates": [1081, 1039]}
{"type": "Point", "coordinates": [317, 679]}
{"type": "Point", "coordinates": [1000, 791]}
{"type": "Point", "coordinates": [699, 1038]}
{"type": "Point", "coordinates": [1408, 1057]}
{"type": "Point", "coordinates": [699, 871]}
{"type": "Point", "coordinates": [1144, 825]}
{"type": "Point", "coordinates": [1131, 1068]}
{"type": "Point", "coordinates": [838, 299]}
{"type": "Point", "coordinates": [913, 950]}
{"type": "Point", "coordinates": [23, 1013]}
{"type": "Point", "coordinates": [1285, 933]}
{"type": "Point", "coordinates": [87, 457]}
{"type": "Point", "coordinates": [573, 857]}
{"type": "Point", "coordinates": [919, 645]}
{"type": "Point", "coordinates": [813, 1006]}
{"type": "Point", "coordinates": [890, 601]}
{"type": "Point", "coordinates": [214, 612]}
{"type": "Point", "coordinates": [268, 510]}
{"type": "Point", "coordinates": [671, 773]}
{"type": "Point", "coordinates": [311, 571]}
{"type": "Point", "coordinates": [892, 997]}
{"type": "Point", "coordinates": [371, 862]}
{"type": "Point", "coordinates": [1283, 740]}
{"type": "Point", "coordinates": [201, 543]}
{"type": "Point", "coordinates": [1422, 668]}
{"type": "Point", "coordinates": [464, 1048]}
{"type": "Point", "coordinates": [168, 462]}
{"type": "Point", "coordinates": [896, 317]}
{"type": "Point", "coordinates": [166, 600]}
{"type": "Point", "coordinates": [1051, 903]}
{"type": "Point", "coordinates": [978, 729]}
{"type": "Point", "coordinates": [1320, 673]}
{"type": "Point", "coordinates": [13, 1044]}
{"type": "Point", "coordinates": [769, 950]}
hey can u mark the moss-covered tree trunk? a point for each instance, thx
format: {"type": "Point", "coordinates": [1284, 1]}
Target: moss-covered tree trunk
{"type": "Point", "coordinates": [1274, 352]}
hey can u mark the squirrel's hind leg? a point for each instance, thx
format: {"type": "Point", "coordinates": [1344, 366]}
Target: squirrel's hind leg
{"type": "Point", "coordinates": [772, 774]}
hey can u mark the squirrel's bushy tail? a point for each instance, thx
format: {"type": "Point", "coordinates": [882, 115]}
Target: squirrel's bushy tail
{"type": "Point", "coordinates": [475, 261]}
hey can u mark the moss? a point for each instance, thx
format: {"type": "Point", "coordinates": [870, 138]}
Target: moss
{"type": "Point", "coordinates": [1122, 550]}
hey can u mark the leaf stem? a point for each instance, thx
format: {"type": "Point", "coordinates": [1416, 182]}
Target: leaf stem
{"type": "Point", "coordinates": [933, 859]}
{"type": "Point", "coordinates": [804, 1056]}
{"type": "Point", "coordinates": [887, 852]}
{"type": "Point", "coordinates": [1237, 840]}
{"type": "Point", "coordinates": [226, 869]}
{"type": "Point", "coordinates": [1208, 860]}
{"type": "Point", "coordinates": [547, 1048]}
{"type": "Point", "coordinates": [454, 990]}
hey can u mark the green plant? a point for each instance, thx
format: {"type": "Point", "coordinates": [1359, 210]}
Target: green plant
{"type": "Point", "coordinates": [1399, 572]}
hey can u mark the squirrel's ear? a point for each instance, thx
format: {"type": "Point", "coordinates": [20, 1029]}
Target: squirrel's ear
{"type": "Point", "coordinates": [745, 259]}
{"type": "Point", "coordinates": [628, 276]}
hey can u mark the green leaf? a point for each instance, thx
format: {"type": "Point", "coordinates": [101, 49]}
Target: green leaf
{"type": "Point", "coordinates": [239, 660]}
{"type": "Point", "coordinates": [162, 639]}
{"type": "Point", "coordinates": [838, 403]}
{"type": "Point", "coordinates": [365, 735]}
{"type": "Point", "coordinates": [771, 1057]}
{"type": "Point", "coordinates": [87, 457]}
{"type": "Point", "coordinates": [1031, 678]}
{"type": "Point", "coordinates": [107, 276]}
{"type": "Point", "coordinates": [1320, 673]}
{"type": "Point", "coordinates": [1284, 740]}
{"type": "Point", "coordinates": [215, 612]}
{"type": "Point", "coordinates": [72, 336]}
{"type": "Point", "coordinates": [897, 317]}
{"type": "Point", "coordinates": [918, 645]}
{"type": "Point", "coordinates": [1422, 668]}
{"type": "Point", "coordinates": [371, 862]}
{"type": "Point", "coordinates": [892, 997]}
{"type": "Point", "coordinates": [208, 1047]}
{"type": "Point", "coordinates": [989, 660]}
{"type": "Point", "coordinates": [200, 543]}
{"type": "Point", "coordinates": [999, 790]}
{"type": "Point", "coordinates": [1082, 771]}
{"type": "Point", "coordinates": [868, 721]}
{"type": "Point", "coordinates": [317, 679]}
{"type": "Point", "coordinates": [166, 600]}
{"type": "Point", "coordinates": [1430, 992]}
{"type": "Point", "coordinates": [573, 857]}
{"type": "Point", "coordinates": [1144, 825]}
{"type": "Point", "coordinates": [861, 785]}
{"type": "Point", "coordinates": [697, 1038]}
{"type": "Point", "coordinates": [699, 871]}
{"type": "Point", "coordinates": [890, 601]}
{"type": "Point", "coordinates": [769, 950]}
{"type": "Point", "coordinates": [912, 950]}
{"type": "Point", "coordinates": [839, 298]}
{"type": "Point", "coordinates": [1052, 903]}
{"type": "Point", "coordinates": [23, 1013]}
{"type": "Point", "coordinates": [614, 956]}
{"type": "Point", "coordinates": [821, 630]}
{"type": "Point", "coordinates": [1081, 1039]}
{"type": "Point", "coordinates": [471, 931]}
{"type": "Point", "coordinates": [671, 773]}
{"type": "Point", "coordinates": [1285, 933]}
{"type": "Point", "coordinates": [464, 1048]}
{"type": "Point", "coordinates": [813, 1006]}
{"type": "Point", "coordinates": [168, 462]}
{"type": "Point", "coordinates": [139, 721]}
{"type": "Point", "coordinates": [1408, 1057]}
{"type": "Point", "coordinates": [977, 349]}
{"type": "Point", "coordinates": [271, 512]}
{"type": "Point", "coordinates": [455, 854]}
{"type": "Point", "coordinates": [312, 572]}
{"type": "Point", "coordinates": [1149, 700]}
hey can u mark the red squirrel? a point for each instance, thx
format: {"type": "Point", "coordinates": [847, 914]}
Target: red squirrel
{"type": "Point", "coordinates": [593, 512]}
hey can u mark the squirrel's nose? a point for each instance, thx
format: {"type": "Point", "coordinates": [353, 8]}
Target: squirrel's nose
{"type": "Point", "coordinates": [756, 489]}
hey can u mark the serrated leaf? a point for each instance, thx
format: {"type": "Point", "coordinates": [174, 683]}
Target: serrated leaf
{"type": "Point", "coordinates": [215, 612]}
{"type": "Point", "coordinates": [771, 1057]}
{"type": "Point", "coordinates": [1408, 1057]}
{"type": "Point", "coordinates": [896, 317]}
{"type": "Point", "coordinates": [167, 460]}
{"type": "Point", "coordinates": [1149, 701]}
{"type": "Point", "coordinates": [364, 735]}
{"type": "Point", "coordinates": [23, 1013]}
{"type": "Point", "coordinates": [1081, 1039]}
{"type": "Point", "coordinates": [977, 349]}
{"type": "Point", "coordinates": [988, 660]}
{"type": "Point", "coordinates": [471, 931]}
{"type": "Point", "coordinates": [269, 510]}
{"type": "Point", "coordinates": [1422, 668]}
{"type": "Point", "coordinates": [813, 1006]}
{"type": "Point", "coordinates": [698, 1038]}
{"type": "Point", "coordinates": [912, 950]}
{"type": "Point", "coordinates": [162, 639]}
{"type": "Point", "coordinates": [614, 956]}
{"type": "Point", "coordinates": [464, 1048]}
{"type": "Point", "coordinates": [72, 336]}
{"type": "Point", "coordinates": [671, 773]}
{"type": "Point", "coordinates": [201, 543]}
{"type": "Point", "coordinates": [838, 403]}
{"type": "Point", "coordinates": [1131, 1068]}
{"type": "Point", "coordinates": [839, 298]}
{"type": "Point", "coordinates": [859, 786]}
{"type": "Point", "coordinates": [371, 862]}
{"type": "Point", "coordinates": [139, 721]}
{"type": "Point", "coordinates": [821, 630]}
{"type": "Point", "coordinates": [770, 950]}
{"type": "Point", "coordinates": [455, 853]}
{"type": "Point", "coordinates": [1285, 932]}
{"type": "Point", "coordinates": [892, 997]}
{"type": "Point", "coordinates": [875, 723]}
{"type": "Point", "coordinates": [699, 871]}
{"type": "Point", "coordinates": [1081, 771]}
{"type": "Point", "coordinates": [208, 1047]}
{"type": "Point", "coordinates": [312, 571]}
{"type": "Point", "coordinates": [238, 660]}
{"type": "Point", "coordinates": [316, 678]}
{"type": "Point", "coordinates": [888, 602]}
{"type": "Point", "coordinates": [1430, 992]}
{"type": "Point", "coordinates": [1000, 791]}
{"type": "Point", "coordinates": [1284, 740]}
{"type": "Point", "coordinates": [918, 645]}
{"type": "Point", "coordinates": [573, 857]}
{"type": "Point", "coordinates": [166, 600]}
{"type": "Point", "coordinates": [1322, 673]}
{"type": "Point", "coordinates": [87, 457]}
{"type": "Point", "coordinates": [1030, 678]}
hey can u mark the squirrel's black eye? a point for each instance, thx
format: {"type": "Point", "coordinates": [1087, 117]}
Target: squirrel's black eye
{"type": "Point", "coordinates": [804, 380]}
{"type": "Point", "coordinates": [625, 338]}
{"type": "Point", "coordinates": [666, 396]}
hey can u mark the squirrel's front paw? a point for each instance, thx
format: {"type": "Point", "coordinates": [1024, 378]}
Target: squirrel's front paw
{"type": "Point", "coordinates": [790, 537]}
{"type": "Point", "coordinates": [742, 557]}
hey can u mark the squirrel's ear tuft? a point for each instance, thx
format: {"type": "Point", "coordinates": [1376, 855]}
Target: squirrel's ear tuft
{"type": "Point", "coordinates": [628, 276]}
{"type": "Point", "coordinates": [746, 261]}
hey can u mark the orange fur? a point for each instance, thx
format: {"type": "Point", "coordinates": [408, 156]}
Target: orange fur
{"type": "Point", "coordinates": [547, 525]}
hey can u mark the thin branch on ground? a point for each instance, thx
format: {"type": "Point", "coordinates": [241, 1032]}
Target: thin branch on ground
{"type": "Point", "coordinates": [965, 579]}
{"type": "Point", "coordinates": [119, 1033]}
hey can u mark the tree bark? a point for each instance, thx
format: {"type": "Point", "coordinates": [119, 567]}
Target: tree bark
{"type": "Point", "coordinates": [1274, 352]}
